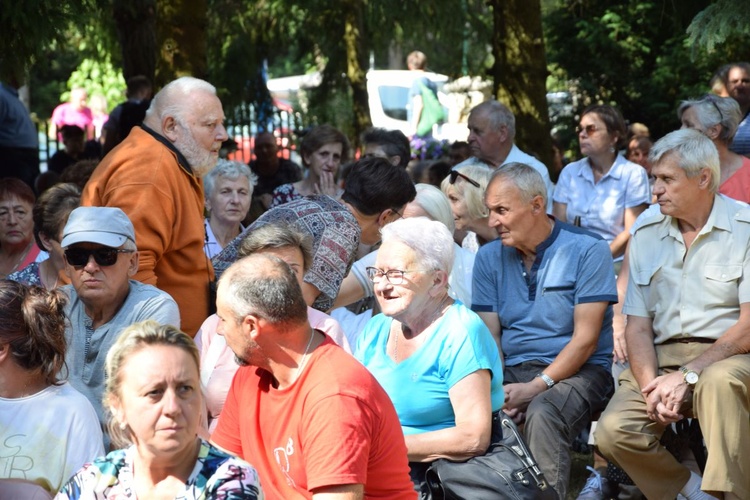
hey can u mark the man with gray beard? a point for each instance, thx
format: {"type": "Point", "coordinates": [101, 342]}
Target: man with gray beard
{"type": "Point", "coordinates": [155, 177]}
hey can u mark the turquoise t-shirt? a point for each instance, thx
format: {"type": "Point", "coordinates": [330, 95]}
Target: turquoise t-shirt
{"type": "Point", "coordinates": [457, 346]}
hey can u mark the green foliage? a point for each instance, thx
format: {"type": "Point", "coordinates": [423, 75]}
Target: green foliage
{"type": "Point", "coordinates": [98, 77]}
{"type": "Point", "coordinates": [719, 22]}
{"type": "Point", "coordinates": [633, 54]}
{"type": "Point", "coordinates": [27, 28]}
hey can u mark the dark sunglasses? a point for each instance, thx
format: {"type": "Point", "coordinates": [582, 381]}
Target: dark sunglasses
{"type": "Point", "coordinates": [104, 256]}
{"type": "Point", "coordinates": [455, 174]}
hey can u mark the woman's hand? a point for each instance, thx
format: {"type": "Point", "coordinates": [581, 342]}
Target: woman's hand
{"type": "Point", "coordinates": [326, 185]}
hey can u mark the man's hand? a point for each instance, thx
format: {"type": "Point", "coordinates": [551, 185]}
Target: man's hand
{"type": "Point", "coordinates": [518, 396]}
{"type": "Point", "coordinates": [665, 396]}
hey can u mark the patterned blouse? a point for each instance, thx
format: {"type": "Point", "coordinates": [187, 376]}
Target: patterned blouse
{"type": "Point", "coordinates": [216, 476]}
{"type": "Point", "coordinates": [335, 234]}
{"type": "Point", "coordinates": [284, 194]}
{"type": "Point", "coordinates": [29, 275]}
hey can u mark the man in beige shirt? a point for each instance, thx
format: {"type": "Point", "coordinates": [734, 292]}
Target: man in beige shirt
{"type": "Point", "coordinates": [688, 331]}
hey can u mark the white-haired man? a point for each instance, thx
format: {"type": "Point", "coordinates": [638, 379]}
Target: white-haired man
{"type": "Point", "coordinates": [688, 307]}
{"type": "Point", "coordinates": [492, 130]}
{"type": "Point", "coordinates": [154, 176]}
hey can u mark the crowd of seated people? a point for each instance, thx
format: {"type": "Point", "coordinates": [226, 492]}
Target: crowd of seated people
{"type": "Point", "coordinates": [171, 336]}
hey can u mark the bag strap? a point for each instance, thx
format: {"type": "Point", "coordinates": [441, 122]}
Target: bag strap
{"type": "Point", "coordinates": [512, 438]}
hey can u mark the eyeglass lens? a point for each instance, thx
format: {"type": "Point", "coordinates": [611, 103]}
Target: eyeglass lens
{"type": "Point", "coordinates": [102, 256]}
{"type": "Point", "coordinates": [455, 174]}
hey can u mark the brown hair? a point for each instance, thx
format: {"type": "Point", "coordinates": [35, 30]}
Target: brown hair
{"type": "Point", "coordinates": [321, 135]}
{"type": "Point", "coordinates": [32, 323]}
{"type": "Point", "coordinates": [612, 119]}
{"type": "Point", "coordinates": [12, 187]}
{"type": "Point", "coordinates": [52, 209]}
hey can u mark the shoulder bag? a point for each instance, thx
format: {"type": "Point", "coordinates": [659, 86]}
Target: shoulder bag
{"type": "Point", "coordinates": [506, 471]}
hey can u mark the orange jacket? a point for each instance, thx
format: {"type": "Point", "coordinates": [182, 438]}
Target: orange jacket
{"type": "Point", "coordinates": [153, 184]}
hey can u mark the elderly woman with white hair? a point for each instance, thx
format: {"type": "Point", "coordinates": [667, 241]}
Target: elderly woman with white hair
{"type": "Point", "coordinates": [425, 343]}
{"type": "Point", "coordinates": [718, 118]}
{"type": "Point", "coordinates": [431, 203]}
{"type": "Point", "coordinates": [465, 186]}
{"type": "Point", "coordinates": [228, 190]}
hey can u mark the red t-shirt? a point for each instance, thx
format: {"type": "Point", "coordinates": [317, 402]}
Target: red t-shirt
{"type": "Point", "coordinates": [738, 185]}
{"type": "Point", "coordinates": [335, 425]}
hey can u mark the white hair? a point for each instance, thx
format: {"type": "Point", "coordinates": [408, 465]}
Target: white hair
{"type": "Point", "coordinates": [435, 204]}
{"type": "Point", "coordinates": [174, 99]}
{"type": "Point", "coordinates": [694, 152]}
{"type": "Point", "coordinates": [228, 169]}
{"type": "Point", "coordinates": [430, 240]}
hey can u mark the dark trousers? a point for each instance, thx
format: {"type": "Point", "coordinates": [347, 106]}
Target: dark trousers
{"type": "Point", "coordinates": [556, 416]}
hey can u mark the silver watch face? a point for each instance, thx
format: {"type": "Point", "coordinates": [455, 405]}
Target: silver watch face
{"type": "Point", "coordinates": [691, 378]}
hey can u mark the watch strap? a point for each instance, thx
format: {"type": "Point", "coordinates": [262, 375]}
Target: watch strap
{"type": "Point", "coordinates": [547, 380]}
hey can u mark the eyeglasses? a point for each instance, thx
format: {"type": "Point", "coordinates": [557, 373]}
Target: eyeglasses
{"type": "Point", "coordinates": [393, 276]}
{"type": "Point", "coordinates": [400, 215]}
{"type": "Point", "coordinates": [105, 256]}
{"type": "Point", "coordinates": [455, 174]}
{"type": "Point", "coordinates": [712, 99]}
{"type": "Point", "coordinates": [19, 213]}
{"type": "Point", "coordinates": [589, 129]}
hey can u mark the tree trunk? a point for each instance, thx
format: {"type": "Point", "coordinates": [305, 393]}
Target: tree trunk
{"type": "Point", "coordinates": [356, 66]}
{"type": "Point", "coordinates": [520, 72]}
{"type": "Point", "coordinates": [135, 21]}
{"type": "Point", "coordinates": [181, 40]}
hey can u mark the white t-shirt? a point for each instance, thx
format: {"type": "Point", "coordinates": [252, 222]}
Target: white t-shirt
{"type": "Point", "coordinates": [45, 438]}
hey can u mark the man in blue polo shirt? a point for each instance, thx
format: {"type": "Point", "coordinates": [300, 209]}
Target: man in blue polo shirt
{"type": "Point", "coordinates": [548, 288]}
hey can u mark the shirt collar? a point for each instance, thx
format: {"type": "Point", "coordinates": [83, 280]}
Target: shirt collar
{"type": "Point", "coordinates": [719, 218]}
{"type": "Point", "coordinates": [615, 171]}
{"type": "Point", "coordinates": [181, 160]}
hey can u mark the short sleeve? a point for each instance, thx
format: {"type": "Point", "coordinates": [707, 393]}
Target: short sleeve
{"type": "Point", "coordinates": [234, 478]}
{"type": "Point", "coordinates": [638, 191]}
{"type": "Point", "coordinates": [485, 286]}
{"type": "Point", "coordinates": [227, 433]}
{"type": "Point", "coordinates": [337, 419]}
{"type": "Point", "coordinates": [466, 354]}
{"type": "Point", "coordinates": [596, 279]}
{"type": "Point", "coordinates": [635, 299]}
{"type": "Point", "coordinates": [563, 188]}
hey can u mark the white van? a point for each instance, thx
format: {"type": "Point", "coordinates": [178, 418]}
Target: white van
{"type": "Point", "coordinates": [388, 94]}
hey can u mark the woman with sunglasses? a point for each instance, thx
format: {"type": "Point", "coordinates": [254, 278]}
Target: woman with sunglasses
{"type": "Point", "coordinates": [718, 118]}
{"type": "Point", "coordinates": [426, 344]}
{"type": "Point", "coordinates": [603, 192]}
{"type": "Point", "coordinates": [465, 187]}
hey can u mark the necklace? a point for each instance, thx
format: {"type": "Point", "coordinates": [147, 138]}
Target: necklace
{"type": "Point", "coordinates": [304, 356]}
{"type": "Point", "coordinates": [20, 258]}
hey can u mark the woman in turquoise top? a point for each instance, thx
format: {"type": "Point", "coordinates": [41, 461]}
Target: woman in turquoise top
{"type": "Point", "coordinates": [434, 357]}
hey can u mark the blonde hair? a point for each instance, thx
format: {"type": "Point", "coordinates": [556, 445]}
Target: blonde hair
{"type": "Point", "coordinates": [132, 340]}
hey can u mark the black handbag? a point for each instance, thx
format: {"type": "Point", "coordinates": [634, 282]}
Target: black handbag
{"type": "Point", "coordinates": [506, 471]}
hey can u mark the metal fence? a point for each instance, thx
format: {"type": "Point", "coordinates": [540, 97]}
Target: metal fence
{"type": "Point", "coordinates": [243, 123]}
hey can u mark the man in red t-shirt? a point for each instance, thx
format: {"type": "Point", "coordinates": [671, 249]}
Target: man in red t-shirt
{"type": "Point", "coordinates": [308, 416]}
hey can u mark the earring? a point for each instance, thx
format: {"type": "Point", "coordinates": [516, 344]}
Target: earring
{"type": "Point", "coordinates": [611, 149]}
{"type": "Point", "coordinates": [123, 426]}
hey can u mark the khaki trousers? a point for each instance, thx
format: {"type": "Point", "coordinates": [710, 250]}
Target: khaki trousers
{"type": "Point", "coordinates": [721, 402]}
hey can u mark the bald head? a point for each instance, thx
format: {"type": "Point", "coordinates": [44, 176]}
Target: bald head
{"type": "Point", "coordinates": [174, 100]}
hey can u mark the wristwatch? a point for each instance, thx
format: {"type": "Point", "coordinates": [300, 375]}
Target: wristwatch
{"type": "Point", "coordinates": [547, 380]}
{"type": "Point", "coordinates": [690, 376]}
